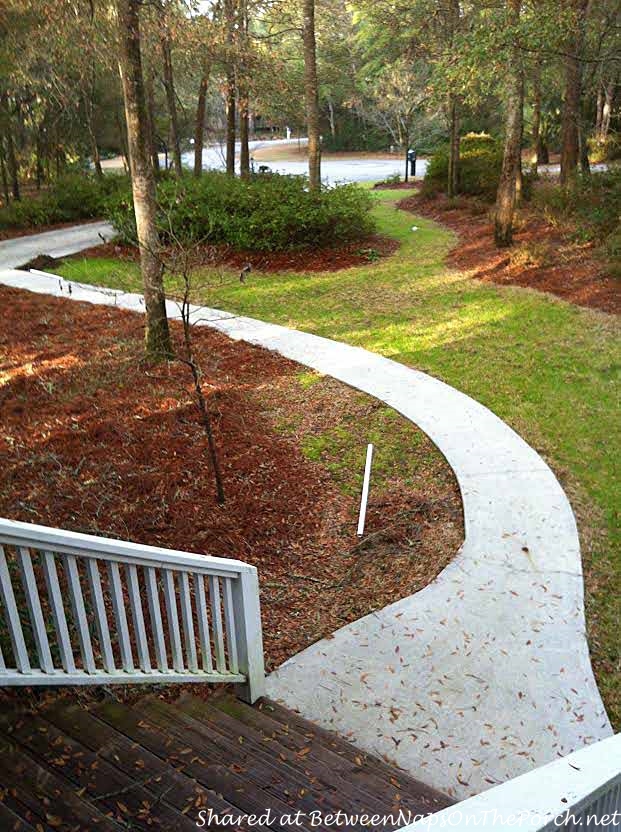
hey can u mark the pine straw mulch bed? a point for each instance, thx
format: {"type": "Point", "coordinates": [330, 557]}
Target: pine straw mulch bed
{"type": "Point", "coordinates": [328, 259]}
{"type": "Point", "coordinates": [96, 440]}
{"type": "Point", "coordinates": [541, 258]}
{"type": "Point", "coordinates": [412, 185]}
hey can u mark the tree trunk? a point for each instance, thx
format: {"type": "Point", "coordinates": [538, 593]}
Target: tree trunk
{"type": "Point", "coordinates": [453, 169]}
{"type": "Point", "coordinates": [311, 95]}
{"type": "Point", "coordinates": [599, 110]}
{"type": "Point", "coordinates": [13, 166]}
{"type": "Point", "coordinates": [230, 124]}
{"type": "Point", "coordinates": [39, 162]}
{"type": "Point", "coordinates": [537, 98]}
{"type": "Point", "coordinates": [150, 107]}
{"type": "Point", "coordinates": [93, 140]}
{"type": "Point", "coordinates": [607, 110]}
{"type": "Point", "coordinates": [583, 146]}
{"type": "Point", "coordinates": [244, 152]}
{"type": "Point", "coordinates": [230, 20]}
{"type": "Point", "coordinates": [171, 100]}
{"type": "Point", "coordinates": [11, 160]}
{"type": "Point", "coordinates": [199, 124]}
{"type": "Point", "coordinates": [331, 117]}
{"type": "Point", "coordinates": [505, 198]}
{"type": "Point", "coordinates": [570, 121]}
{"type": "Point", "coordinates": [3, 175]}
{"type": "Point", "coordinates": [89, 104]}
{"type": "Point", "coordinates": [157, 335]}
{"type": "Point", "coordinates": [122, 140]}
{"type": "Point", "coordinates": [243, 91]}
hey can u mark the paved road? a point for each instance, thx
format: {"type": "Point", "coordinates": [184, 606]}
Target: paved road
{"type": "Point", "coordinates": [333, 170]}
{"type": "Point", "coordinates": [59, 243]}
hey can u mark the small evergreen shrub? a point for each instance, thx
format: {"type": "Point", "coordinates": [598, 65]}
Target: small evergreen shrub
{"type": "Point", "coordinates": [264, 213]}
{"type": "Point", "coordinates": [479, 167]}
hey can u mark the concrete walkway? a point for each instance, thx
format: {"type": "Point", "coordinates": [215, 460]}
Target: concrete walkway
{"type": "Point", "coordinates": [485, 673]}
{"type": "Point", "coordinates": [59, 243]}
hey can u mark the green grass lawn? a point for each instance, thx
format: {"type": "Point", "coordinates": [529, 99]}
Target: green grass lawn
{"type": "Point", "coordinates": [550, 369]}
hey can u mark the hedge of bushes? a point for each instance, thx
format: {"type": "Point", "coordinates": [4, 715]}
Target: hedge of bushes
{"type": "Point", "coordinates": [265, 213]}
{"type": "Point", "coordinates": [480, 165]}
{"type": "Point", "coordinates": [591, 204]}
{"type": "Point", "coordinates": [74, 197]}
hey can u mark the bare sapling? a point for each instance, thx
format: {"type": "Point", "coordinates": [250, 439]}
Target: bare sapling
{"type": "Point", "coordinates": [181, 260]}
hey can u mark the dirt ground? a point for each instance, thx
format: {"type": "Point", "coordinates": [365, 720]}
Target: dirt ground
{"type": "Point", "coordinates": [541, 258]}
{"type": "Point", "coordinates": [96, 440]}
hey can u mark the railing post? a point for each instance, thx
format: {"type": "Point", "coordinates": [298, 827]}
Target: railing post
{"type": "Point", "coordinates": [249, 636]}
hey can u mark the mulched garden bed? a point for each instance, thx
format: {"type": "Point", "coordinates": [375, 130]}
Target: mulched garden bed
{"type": "Point", "coordinates": [396, 186]}
{"type": "Point", "coordinates": [96, 440]}
{"type": "Point", "coordinates": [372, 248]}
{"type": "Point", "coordinates": [570, 270]}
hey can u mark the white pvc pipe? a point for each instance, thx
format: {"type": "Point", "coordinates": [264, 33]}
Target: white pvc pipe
{"type": "Point", "coordinates": [365, 490]}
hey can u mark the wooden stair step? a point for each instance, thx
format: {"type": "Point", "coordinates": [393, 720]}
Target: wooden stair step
{"type": "Point", "coordinates": [118, 794]}
{"type": "Point", "coordinates": [235, 789]}
{"type": "Point", "coordinates": [235, 719]}
{"type": "Point", "coordinates": [181, 791]}
{"type": "Point", "coordinates": [272, 775]}
{"type": "Point", "coordinates": [370, 769]}
{"type": "Point", "coordinates": [353, 768]}
{"type": "Point", "coordinates": [51, 799]}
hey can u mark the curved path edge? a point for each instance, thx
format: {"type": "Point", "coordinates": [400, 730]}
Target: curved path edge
{"type": "Point", "coordinates": [485, 673]}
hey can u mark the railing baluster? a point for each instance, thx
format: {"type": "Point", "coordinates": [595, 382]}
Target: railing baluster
{"type": "Point", "coordinates": [155, 613]}
{"type": "Point", "coordinates": [101, 618]}
{"type": "Point", "coordinates": [173, 621]}
{"type": "Point", "coordinates": [79, 613]}
{"type": "Point", "coordinates": [15, 625]}
{"type": "Point", "coordinates": [54, 592]}
{"type": "Point", "coordinates": [120, 616]}
{"type": "Point", "coordinates": [29, 582]}
{"type": "Point", "coordinates": [203, 621]}
{"type": "Point", "coordinates": [142, 644]}
{"type": "Point", "coordinates": [185, 600]}
{"type": "Point", "coordinates": [229, 618]}
{"type": "Point", "coordinates": [216, 623]}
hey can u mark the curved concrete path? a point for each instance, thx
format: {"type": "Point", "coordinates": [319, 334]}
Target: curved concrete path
{"type": "Point", "coordinates": [58, 243]}
{"type": "Point", "coordinates": [485, 673]}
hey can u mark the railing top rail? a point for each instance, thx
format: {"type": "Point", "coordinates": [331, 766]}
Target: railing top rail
{"type": "Point", "coordinates": [16, 533]}
{"type": "Point", "coordinates": [560, 789]}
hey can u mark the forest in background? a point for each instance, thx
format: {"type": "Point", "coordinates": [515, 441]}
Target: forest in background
{"type": "Point", "coordinates": [388, 74]}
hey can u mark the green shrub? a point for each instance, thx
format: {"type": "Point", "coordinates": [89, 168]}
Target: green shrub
{"type": "Point", "coordinates": [605, 150]}
{"type": "Point", "coordinates": [72, 197]}
{"type": "Point", "coordinates": [479, 167]}
{"type": "Point", "coordinates": [591, 204]}
{"type": "Point", "coordinates": [266, 213]}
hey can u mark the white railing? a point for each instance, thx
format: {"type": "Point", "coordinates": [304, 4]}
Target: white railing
{"type": "Point", "coordinates": [581, 791]}
{"type": "Point", "coordinates": [80, 610]}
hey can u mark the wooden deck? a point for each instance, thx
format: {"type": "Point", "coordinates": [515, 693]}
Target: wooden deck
{"type": "Point", "coordinates": [153, 765]}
